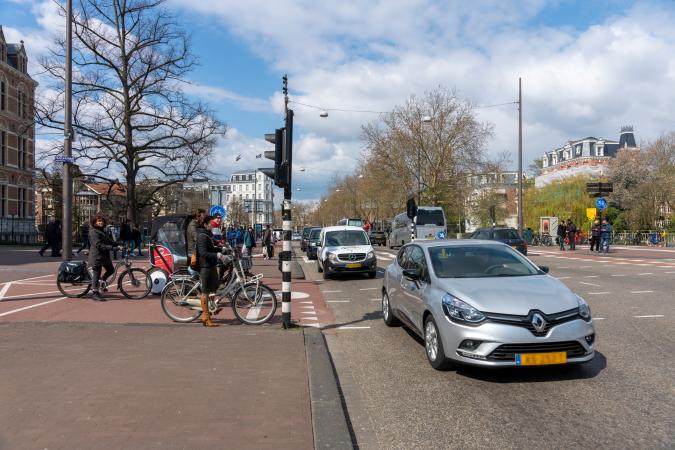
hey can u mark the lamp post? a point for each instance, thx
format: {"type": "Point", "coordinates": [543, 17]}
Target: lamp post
{"type": "Point", "coordinates": [425, 119]}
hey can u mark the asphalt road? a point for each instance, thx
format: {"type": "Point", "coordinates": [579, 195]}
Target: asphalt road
{"type": "Point", "coordinates": [624, 398]}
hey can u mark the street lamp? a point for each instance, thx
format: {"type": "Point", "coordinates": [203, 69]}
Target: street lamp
{"type": "Point", "coordinates": [425, 119]}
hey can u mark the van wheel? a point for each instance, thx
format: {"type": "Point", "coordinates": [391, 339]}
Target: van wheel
{"type": "Point", "coordinates": [318, 266]}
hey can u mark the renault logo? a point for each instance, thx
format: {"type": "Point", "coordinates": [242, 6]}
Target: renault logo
{"type": "Point", "coordinates": [538, 322]}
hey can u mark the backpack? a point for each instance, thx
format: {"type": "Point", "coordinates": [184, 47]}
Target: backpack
{"type": "Point", "coordinates": [72, 272]}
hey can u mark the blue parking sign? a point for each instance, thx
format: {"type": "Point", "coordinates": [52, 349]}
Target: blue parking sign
{"type": "Point", "coordinates": [217, 209]}
{"type": "Point", "coordinates": [440, 235]}
{"type": "Point", "coordinates": [601, 203]}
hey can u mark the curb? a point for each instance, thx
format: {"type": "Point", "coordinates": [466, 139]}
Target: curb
{"type": "Point", "coordinates": [329, 420]}
{"type": "Point", "coordinates": [296, 269]}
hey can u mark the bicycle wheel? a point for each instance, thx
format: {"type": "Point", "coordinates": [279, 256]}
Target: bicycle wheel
{"type": "Point", "coordinates": [255, 304]}
{"type": "Point", "coordinates": [179, 298]}
{"type": "Point", "coordinates": [74, 290]}
{"type": "Point", "coordinates": [135, 283]}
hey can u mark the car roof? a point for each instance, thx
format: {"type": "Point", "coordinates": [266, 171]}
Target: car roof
{"type": "Point", "coordinates": [496, 228]}
{"type": "Point", "coordinates": [454, 242]}
{"type": "Point", "coordinates": [343, 228]}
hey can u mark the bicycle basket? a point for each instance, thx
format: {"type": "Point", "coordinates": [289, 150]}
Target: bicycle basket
{"type": "Point", "coordinates": [72, 271]}
{"type": "Point", "coordinates": [246, 263]}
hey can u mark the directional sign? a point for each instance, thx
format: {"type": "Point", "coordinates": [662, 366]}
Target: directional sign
{"type": "Point", "coordinates": [601, 203]}
{"type": "Point", "coordinates": [440, 235]}
{"type": "Point", "coordinates": [64, 159]}
{"type": "Point", "coordinates": [217, 209]}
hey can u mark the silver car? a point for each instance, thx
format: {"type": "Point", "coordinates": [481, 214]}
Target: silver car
{"type": "Point", "coordinates": [483, 303]}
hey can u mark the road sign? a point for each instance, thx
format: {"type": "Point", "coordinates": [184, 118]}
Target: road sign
{"type": "Point", "coordinates": [217, 209]}
{"type": "Point", "coordinates": [440, 235]}
{"type": "Point", "coordinates": [64, 159]}
{"type": "Point", "coordinates": [601, 203]}
{"type": "Point", "coordinates": [591, 213]}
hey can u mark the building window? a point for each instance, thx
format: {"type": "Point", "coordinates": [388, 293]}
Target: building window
{"type": "Point", "coordinates": [22, 153]}
{"type": "Point", "coordinates": [3, 148]}
{"type": "Point", "coordinates": [22, 203]}
{"type": "Point", "coordinates": [3, 200]}
{"type": "Point", "coordinates": [3, 95]}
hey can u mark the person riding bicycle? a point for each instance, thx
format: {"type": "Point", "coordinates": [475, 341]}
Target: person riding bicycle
{"type": "Point", "coordinates": [99, 254]}
{"type": "Point", "coordinates": [208, 256]}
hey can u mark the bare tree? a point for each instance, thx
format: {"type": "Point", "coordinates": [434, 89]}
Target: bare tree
{"type": "Point", "coordinates": [132, 120]}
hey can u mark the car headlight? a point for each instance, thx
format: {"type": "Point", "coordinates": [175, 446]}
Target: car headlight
{"type": "Point", "coordinates": [584, 309]}
{"type": "Point", "coordinates": [459, 311]}
{"type": "Point", "coordinates": [332, 256]}
{"type": "Point", "coordinates": [312, 244]}
{"type": "Point", "coordinates": [371, 254]}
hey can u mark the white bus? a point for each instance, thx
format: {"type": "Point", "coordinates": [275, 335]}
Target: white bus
{"type": "Point", "coordinates": [350, 222]}
{"type": "Point", "coordinates": [429, 224]}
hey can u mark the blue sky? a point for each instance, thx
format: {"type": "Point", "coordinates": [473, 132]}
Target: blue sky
{"type": "Point", "coordinates": [588, 68]}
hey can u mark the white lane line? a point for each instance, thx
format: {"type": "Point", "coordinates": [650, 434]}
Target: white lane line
{"type": "Point", "coordinates": [651, 315]}
{"type": "Point", "coordinates": [308, 313]}
{"type": "Point", "coordinates": [563, 278]}
{"type": "Point", "coordinates": [307, 307]}
{"type": "Point", "coordinates": [562, 267]}
{"type": "Point", "coordinates": [641, 292]}
{"type": "Point", "coordinates": [589, 284]}
{"type": "Point", "coordinates": [643, 264]}
{"type": "Point", "coordinates": [368, 289]}
{"type": "Point", "coordinates": [4, 290]}
{"type": "Point", "coordinates": [591, 276]}
{"type": "Point", "coordinates": [646, 273]}
{"type": "Point", "coordinates": [345, 327]}
{"type": "Point", "coordinates": [337, 301]}
{"type": "Point", "coordinates": [598, 293]}
{"type": "Point", "coordinates": [314, 325]}
{"type": "Point", "coordinates": [598, 318]}
{"type": "Point", "coordinates": [664, 267]}
{"type": "Point", "coordinates": [619, 275]}
{"type": "Point", "coordinates": [311, 303]}
{"type": "Point", "coordinates": [585, 267]}
{"type": "Point", "coordinates": [331, 292]}
{"type": "Point", "coordinates": [668, 272]}
{"type": "Point", "coordinates": [26, 295]}
{"type": "Point", "coordinates": [32, 306]}
{"type": "Point", "coordinates": [26, 279]}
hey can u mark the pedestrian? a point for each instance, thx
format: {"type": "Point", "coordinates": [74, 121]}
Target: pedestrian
{"type": "Point", "coordinates": [126, 238]}
{"type": "Point", "coordinates": [99, 254]}
{"type": "Point", "coordinates": [208, 256]}
{"type": "Point", "coordinates": [113, 234]}
{"type": "Point", "coordinates": [229, 234]}
{"type": "Point", "coordinates": [605, 235]}
{"type": "Point", "coordinates": [136, 237]}
{"type": "Point", "coordinates": [216, 232]}
{"type": "Point", "coordinates": [562, 232]}
{"type": "Point", "coordinates": [595, 235]}
{"type": "Point", "coordinates": [249, 243]}
{"type": "Point", "coordinates": [238, 236]}
{"type": "Point", "coordinates": [571, 234]}
{"type": "Point", "coordinates": [528, 235]}
{"type": "Point", "coordinates": [267, 241]}
{"type": "Point", "coordinates": [192, 240]}
{"type": "Point", "coordinates": [49, 236]}
{"type": "Point", "coordinates": [85, 238]}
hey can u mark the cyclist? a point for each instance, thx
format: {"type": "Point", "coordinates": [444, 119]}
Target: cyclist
{"type": "Point", "coordinates": [208, 256]}
{"type": "Point", "coordinates": [99, 254]}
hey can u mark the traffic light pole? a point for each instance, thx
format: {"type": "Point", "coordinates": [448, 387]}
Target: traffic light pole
{"type": "Point", "coordinates": [287, 227]}
{"type": "Point", "coordinates": [67, 224]}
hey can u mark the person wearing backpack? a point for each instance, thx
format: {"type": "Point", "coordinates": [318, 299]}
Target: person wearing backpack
{"type": "Point", "coordinates": [99, 254]}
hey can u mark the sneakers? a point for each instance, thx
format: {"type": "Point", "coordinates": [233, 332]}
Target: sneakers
{"type": "Point", "coordinates": [97, 297]}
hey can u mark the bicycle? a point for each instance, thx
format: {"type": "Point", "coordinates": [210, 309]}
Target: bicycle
{"type": "Point", "coordinates": [252, 302]}
{"type": "Point", "coordinates": [133, 282]}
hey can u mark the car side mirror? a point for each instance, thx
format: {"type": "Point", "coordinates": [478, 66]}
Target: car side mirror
{"type": "Point", "coordinates": [544, 269]}
{"type": "Point", "coordinates": [412, 274]}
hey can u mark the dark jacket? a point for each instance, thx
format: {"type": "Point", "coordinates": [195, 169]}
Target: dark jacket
{"type": "Point", "coordinates": [191, 237]}
{"type": "Point", "coordinates": [125, 232]}
{"type": "Point", "coordinates": [100, 245]}
{"type": "Point", "coordinates": [206, 250]}
{"type": "Point", "coordinates": [562, 230]}
{"type": "Point", "coordinates": [248, 239]}
{"type": "Point", "coordinates": [606, 231]}
{"type": "Point", "coordinates": [136, 234]}
{"type": "Point", "coordinates": [571, 228]}
{"type": "Point", "coordinates": [53, 231]}
{"type": "Point", "coordinates": [595, 230]}
{"type": "Point", "coordinates": [267, 237]}
{"type": "Point", "coordinates": [85, 232]}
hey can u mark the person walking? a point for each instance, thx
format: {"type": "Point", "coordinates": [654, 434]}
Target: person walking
{"type": "Point", "coordinates": [267, 241]}
{"type": "Point", "coordinates": [605, 235]}
{"type": "Point", "coordinates": [208, 256]}
{"type": "Point", "coordinates": [136, 237]}
{"type": "Point", "coordinates": [126, 238]}
{"type": "Point", "coordinates": [99, 254]}
{"type": "Point", "coordinates": [113, 235]}
{"type": "Point", "coordinates": [571, 234]}
{"type": "Point", "coordinates": [192, 239]}
{"type": "Point", "coordinates": [249, 243]}
{"type": "Point", "coordinates": [85, 238]}
{"type": "Point", "coordinates": [595, 235]}
{"type": "Point", "coordinates": [562, 232]}
{"type": "Point", "coordinates": [48, 237]}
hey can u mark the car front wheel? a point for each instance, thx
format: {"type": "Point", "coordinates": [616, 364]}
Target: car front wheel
{"type": "Point", "coordinates": [387, 314]}
{"type": "Point", "coordinates": [433, 344]}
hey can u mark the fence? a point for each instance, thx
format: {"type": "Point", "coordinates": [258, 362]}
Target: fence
{"type": "Point", "coordinates": [18, 230]}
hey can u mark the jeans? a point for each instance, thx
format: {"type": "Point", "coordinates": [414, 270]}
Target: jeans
{"type": "Point", "coordinates": [572, 240]}
{"type": "Point", "coordinates": [109, 270]}
{"type": "Point", "coordinates": [561, 241]}
{"type": "Point", "coordinates": [604, 244]}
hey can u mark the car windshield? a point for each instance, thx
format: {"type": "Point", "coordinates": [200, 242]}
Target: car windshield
{"type": "Point", "coordinates": [346, 237]}
{"type": "Point", "coordinates": [506, 234]}
{"type": "Point", "coordinates": [480, 261]}
{"type": "Point", "coordinates": [430, 217]}
{"type": "Point", "coordinates": [315, 233]}
{"type": "Point", "coordinates": [305, 231]}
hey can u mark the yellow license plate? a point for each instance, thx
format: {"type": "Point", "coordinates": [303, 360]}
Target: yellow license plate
{"type": "Point", "coordinates": [541, 359]}
{"type": "Point", "coordinates": [353, 265]}
{"type": "Point", "coordinates": [431, 236]}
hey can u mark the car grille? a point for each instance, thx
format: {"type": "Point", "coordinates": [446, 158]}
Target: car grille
{"type": "Point", "coordinates": [351, 256]}
{"type": "Point", "coordinates": [526, 321]}
{"type": "Point", "coordinates": [508, 352]}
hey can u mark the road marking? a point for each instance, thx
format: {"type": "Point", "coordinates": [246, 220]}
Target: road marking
{"type": "Point", "coordinates": [331, 292]}
{"type": "Point", "coordinates": [345, 327]}
{"type": "Point", "coordinates": [305, 259]}
{"type": "Point", "coordinates": [4, 290]}
{"type": "Point", "coordinates": [32, 306]}
{"type": "Point", "coordinates": [598, 318]}
{"type": "Point", "coordinates": [337, 301]}
{"type": "Point", "coordinates": [591, 276]}
{"type": "Point", "coordinates": [562, 267]}
{"type": "Point", "coordinates": [589, 284]}
{"type": "Point", "coordinates": [641, 292]}
{"type": "Point", "coordinates": [619, 275]}
{"type": "Point", "coordinates": [664, 267]}
{"type": "Point", "coordinates": [646, 273]}
{"type": "Point", "coordinates": [307, 307]}
{"type": "Point", "coordinates": [315, 325]}
{"type": "Point", "coordinates": [26, 279]}
{"type": "Point", "coordinates": [598, 293]}
{"type": "Point", "coordinates": [26, 295]}
{"type": "Point", "coordinates": [368, 289]}
{"type": "Point", "coordinates": [311, 303]}
{"type": "Point", "coordinates": [668, 272]}
{"type": "Point", "coordinates": [651, 315]}
{"type": "Point", "coordinates": [585, 267]}
{"type": "Point", "coordinates": [309, 318]}
{"type": "Point", "coordinates": [563, 278]}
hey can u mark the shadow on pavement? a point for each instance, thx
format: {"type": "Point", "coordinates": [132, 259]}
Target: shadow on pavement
{"type": "Point", "coordinates": [375, 315]}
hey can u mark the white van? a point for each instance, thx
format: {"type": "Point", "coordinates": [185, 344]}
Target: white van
{"type": "Point", "coordinates": [428, 224]}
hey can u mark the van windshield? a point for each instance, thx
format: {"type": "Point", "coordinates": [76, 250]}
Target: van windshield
{"type": "Point", "coordinates": [346, 237]}
{"type": "Point", "coordinates": [430, 217]}
{"type": "Point", "coordinates": [315, 233]}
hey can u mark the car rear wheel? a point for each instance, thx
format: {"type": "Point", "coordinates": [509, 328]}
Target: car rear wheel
{"type": "Point", "coordinates": [387, 314]}
{"type": "Point", "coordinates": [433, 344]}
{"type": "Point", "coordinates": [318, 266]}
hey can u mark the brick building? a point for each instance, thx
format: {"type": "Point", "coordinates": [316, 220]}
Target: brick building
{"type": "Point", "coordinates": [17, 144]}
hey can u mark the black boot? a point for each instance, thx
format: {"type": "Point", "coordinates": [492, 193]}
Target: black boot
{"type": "Point", "coordinates": [97, 297]}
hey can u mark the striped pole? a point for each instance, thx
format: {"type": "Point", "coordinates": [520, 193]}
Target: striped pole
{"type": "Point", "coordinates": [285, 258]}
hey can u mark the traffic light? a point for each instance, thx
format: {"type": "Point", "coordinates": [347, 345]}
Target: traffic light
{"type": "Point", "coordinates": [599, 189]}
{"type": "Point", "coordinates": [282, 154]}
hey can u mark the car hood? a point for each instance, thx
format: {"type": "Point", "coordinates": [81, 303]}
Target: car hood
{"type": "Point", "coordinates": [512, 295]}
{"type": "Point", "coordinates": [350, 249]}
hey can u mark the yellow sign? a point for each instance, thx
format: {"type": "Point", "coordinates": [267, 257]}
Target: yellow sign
{"type": "Point", "coordinates": [591, 213]}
